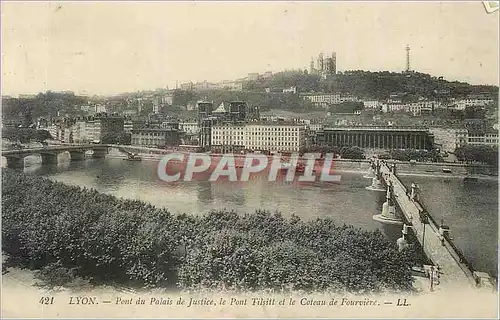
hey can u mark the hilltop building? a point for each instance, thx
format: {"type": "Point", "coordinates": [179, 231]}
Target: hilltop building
{"type": "Point", "coordinates": [325, 67]}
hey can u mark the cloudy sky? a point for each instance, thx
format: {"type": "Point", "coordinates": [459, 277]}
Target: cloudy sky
{"type": "Point", "coordinates": [105, 48]}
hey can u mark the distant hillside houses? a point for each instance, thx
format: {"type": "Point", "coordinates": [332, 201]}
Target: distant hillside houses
{"type": "Point", "coordinates": [472, 101]}
{"type": "Point", "coordinates": [93, 109]}
{"type": "Point", "coordinates": [292, 89]}
{"type": "Point", "coordinates": [326, 99]}
{"type": "Point", "coordinates": [236, 85]}
{"type": "Point", "coordinates": [415, 108]}
{"type": "Point", "coordinates": [254, 76]}
{"type": "Point", "coordinates": [395, 103]}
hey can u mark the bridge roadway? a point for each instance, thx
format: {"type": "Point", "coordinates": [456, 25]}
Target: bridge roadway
{"type": "Point", "coordinates": [454, 273]}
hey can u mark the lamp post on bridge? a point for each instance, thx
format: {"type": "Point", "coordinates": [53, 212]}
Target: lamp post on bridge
{"type": "Point", "coordinates": [424, 219]}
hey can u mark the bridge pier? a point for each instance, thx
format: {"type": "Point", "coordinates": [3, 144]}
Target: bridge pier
{"type": "Point", "coordinates": [371, 171]}
{"type": "Point", "coordinates": [388, 215]}
{"type": "Point", "coordinates": [77, 155]}
{"type": "Point", "coordinates": [99, 153]}
{"type": "Point", "coordinates": [15, 162]}
{"type": "Point", "coordinates": [377, 184]}
{"type": "Point", "coordinates": [402, 243]}
{"type": "Point", "coordinates": [49, 158]}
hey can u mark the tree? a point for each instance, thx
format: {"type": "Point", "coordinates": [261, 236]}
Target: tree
{"type": "Point", "coordinates": [124, 138]}
{"type": "Point", "coordinates": [352, 153]}
{"type": "Point", "coordinates": [346, 107]}
{"type": "Point", "coordinates": [482, 154]}
{"type": "Point", "coordinates": [110, 138]}
{"type": "Point", "coordinates": [42, 135]}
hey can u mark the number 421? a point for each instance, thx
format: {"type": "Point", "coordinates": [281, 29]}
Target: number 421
{"type": "Point", "coordinates": [47, 300]}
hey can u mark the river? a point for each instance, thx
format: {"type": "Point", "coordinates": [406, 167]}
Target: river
{"type": "Point", "coordinates": [471, 210]}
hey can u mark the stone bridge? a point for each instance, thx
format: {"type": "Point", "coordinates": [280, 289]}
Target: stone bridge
{"type": "Point", "coordinates": [15, 158]}
{"type": "Point", "coordinates": [437, 246]}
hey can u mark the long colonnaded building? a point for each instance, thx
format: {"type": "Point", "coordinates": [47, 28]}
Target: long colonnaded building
{"type": "Point", "coordinates": [377, 137]}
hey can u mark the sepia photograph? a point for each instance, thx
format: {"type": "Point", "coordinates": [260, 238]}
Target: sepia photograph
{"type": "Point", "coordinates": [249, 159]}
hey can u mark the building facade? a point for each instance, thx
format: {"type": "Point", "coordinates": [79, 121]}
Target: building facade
{"type": "Point", "coordinates": [155, 137]}
{"type": "Point", "coordinates": [372, 104]}
{"type": "Point", "coordinates": [472, 102]}
{"type": "Point", "coordinates": [128, 125]}
{"type": "Point", "coordinates": [290, 90]}
{"type": "Point", "coordinates": [377, 138]}
{"type": "Point", "coordinates": [189, 127]}
{"type": "Point", "coordinates": [326, 99]}
{"type": "Point", "coordinates": [487, 139]}
{"type": "Point", "coordinates": [228, 138]}
{"type": "Point", "coordinates": [265, 137]}
{"type": "Point", "coordinates": [79, 132]}
{"type": "Point", "coordinates": [99, 128]}
{"type": "Point", "coordinates": [205, 135]}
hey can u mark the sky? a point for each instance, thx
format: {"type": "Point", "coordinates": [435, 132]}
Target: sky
{"type": "Point", "coordinates": [114, 47]}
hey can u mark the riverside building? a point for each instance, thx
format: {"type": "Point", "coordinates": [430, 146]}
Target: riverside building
{"type": "Point", "coordinates": [156, 137]}
{"type": "Point", "coordinates": [377, 137]}
{"type": "Point", "coordinates": [267, 137]}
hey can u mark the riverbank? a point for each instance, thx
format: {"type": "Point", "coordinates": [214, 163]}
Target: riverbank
{"type": "Point", "coordinates": [423, 169]}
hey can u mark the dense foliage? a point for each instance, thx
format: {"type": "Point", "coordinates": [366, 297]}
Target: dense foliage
{"type": "Point", "coordinates": [25, 135]}
{"type": "Point", "coordinates": [121, 138]}
{"type": "Point", "coordinates": [482, 154]}
{"type": "Point", "coordinates": [346, 107]}
{"type": "Point", "coordinates": [48, 225]}
{"type": "Point", "coordinates": [47, 104]}
{"type": "Point", "coordinates": [412, 154]}
{"type": "Point", "coordinates": [352, 152]}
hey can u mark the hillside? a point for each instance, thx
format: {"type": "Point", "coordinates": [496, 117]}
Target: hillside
{"type": "Point", "coordinates": [378, 85]}
{"type": "Point", "coordinates": [363, 84]}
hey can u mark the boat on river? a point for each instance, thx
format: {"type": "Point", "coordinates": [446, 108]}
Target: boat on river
{"type": "Point", "coordinates": [133, 157]}
{"type": "Point", "coordinates": [470, 179]}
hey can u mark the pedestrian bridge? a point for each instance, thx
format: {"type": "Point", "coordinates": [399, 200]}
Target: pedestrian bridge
{"type": "Point", "coordinates": [15, 158]}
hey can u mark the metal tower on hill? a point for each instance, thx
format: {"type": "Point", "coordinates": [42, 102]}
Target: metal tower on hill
{"type": "Point", "coordinates": [407, 48]}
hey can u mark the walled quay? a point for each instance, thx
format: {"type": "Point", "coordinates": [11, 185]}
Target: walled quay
{"type": "Point", "coordinates": [429, 168]}
{"type": "Point", "coordinates": [404, 167]}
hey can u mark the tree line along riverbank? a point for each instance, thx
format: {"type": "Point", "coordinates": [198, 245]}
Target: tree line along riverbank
{"type": "Point", "coordinates": [77, 232]}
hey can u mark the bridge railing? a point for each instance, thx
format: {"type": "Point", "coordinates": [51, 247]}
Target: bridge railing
{"type": "Point", "coordinates": [447, 238]}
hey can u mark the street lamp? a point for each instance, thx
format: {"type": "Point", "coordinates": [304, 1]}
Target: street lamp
{"type": "Point", "coordinates": [424, 219]}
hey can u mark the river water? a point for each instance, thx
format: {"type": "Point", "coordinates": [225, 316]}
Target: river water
{"type": "Point", "coordinates": [471, 210]}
